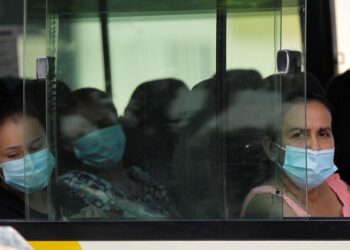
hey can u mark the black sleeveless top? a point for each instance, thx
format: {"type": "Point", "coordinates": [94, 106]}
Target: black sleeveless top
{"type": "Point", "coordinates": [12, 207]}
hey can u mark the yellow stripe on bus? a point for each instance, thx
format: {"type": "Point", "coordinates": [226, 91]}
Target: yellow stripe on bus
{"type": "Point", "coordinates": [55, 245]}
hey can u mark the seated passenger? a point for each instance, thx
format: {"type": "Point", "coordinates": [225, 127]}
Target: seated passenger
{"type": "Point", "coordinates": [219, 151]}
{"type": "Point", "coordinates": [151, 123]}
{"type": "Point", "coordinates": [307, 174]}
{"type": "Point", "coordinates": [99, 185]}
{"type": "Point", "coordinates": [26, 163]}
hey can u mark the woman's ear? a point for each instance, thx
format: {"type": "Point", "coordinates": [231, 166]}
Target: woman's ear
{"type": "Point", "coordinates": [270, 149]}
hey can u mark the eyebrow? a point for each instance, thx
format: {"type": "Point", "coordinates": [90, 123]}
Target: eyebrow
{"type": "Point", "coordinates": [11, 148]}
{"type": "Point", "coordinates": [298, 129]}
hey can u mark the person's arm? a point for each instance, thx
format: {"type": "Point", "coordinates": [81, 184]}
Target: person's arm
{"type": "Point", "coordinates": [264, 206]}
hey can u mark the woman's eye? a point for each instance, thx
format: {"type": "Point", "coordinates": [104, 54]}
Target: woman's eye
{"type": "Point", "coordinates": [324, 134]}
{"type": "Point", "coordinates": [298, 135]}
{"type": "Point", "coordinates": [13, 155]}
{"type": "Point", "coordinates": [36, 148]}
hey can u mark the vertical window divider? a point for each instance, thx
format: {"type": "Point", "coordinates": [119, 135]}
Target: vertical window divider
{"type": "Point", "coordinates": [103, 14]}
{"type": "Point", "coordinates": [221, 101]}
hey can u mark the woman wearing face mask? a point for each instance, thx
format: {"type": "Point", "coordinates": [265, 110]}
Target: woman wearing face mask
{"type": "Point", "coordinates": [94, 144]}
{"type": "Point", "coordinates": [303, 158]}
{"type": "Point", "coordinates": [25, 162]}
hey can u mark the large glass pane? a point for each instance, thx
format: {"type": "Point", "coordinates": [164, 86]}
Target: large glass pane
{"type": "Point", "coordinates": [248, 63]}
{"type": "Point", "coordinates": [221, 157]}
{"type": "Point", "coordinates": [269, 108]}
{"type": "Point", "coordinates": [12, 205]}
{"type": "Point", "coordinates": [294, 113]}
{"type": "Point", "coordinates": [165, 110]}
{"type": "Point", "coordinates": [116, 141]}
{"type": "Point", "coordinates": [39, 163]}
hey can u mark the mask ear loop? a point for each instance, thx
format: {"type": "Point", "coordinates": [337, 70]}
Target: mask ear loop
{"type": "Point", "coordinates": [2, 177]}
{"type": "Point", "coordinates": [275, 159]}
{"type": "Point", "coordinates": [277, 181]}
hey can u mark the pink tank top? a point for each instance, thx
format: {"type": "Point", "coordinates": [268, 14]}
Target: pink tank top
{"type": "Point", "coordinates": [337, 185]}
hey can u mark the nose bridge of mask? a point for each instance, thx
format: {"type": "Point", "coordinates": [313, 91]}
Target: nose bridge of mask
{"type": "Point", "coordinates": [41, 156]}
{"type": "Point", "coordinates": [102, 135]}
{"type": "Point", "coordinates": [101, 148]}
{"type": "Point", "coordinates": [95, 138]}
{"type": "Point", "coordinates": [296, 157]}
{"type": "Point", "coordinates": [308, 158]}
{"type": "Point", "coordinates": [33, 163]}
{"type": "Point", "coordinates": [302, 158]}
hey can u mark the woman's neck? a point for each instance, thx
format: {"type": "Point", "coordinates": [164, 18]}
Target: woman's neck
{"type": "Point", "coordinates": [300, 194]}
{"type": "Point", "coordinates": [38, 201]}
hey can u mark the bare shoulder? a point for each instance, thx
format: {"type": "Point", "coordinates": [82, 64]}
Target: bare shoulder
{"type": "Point", "coordinates": [264, 206]}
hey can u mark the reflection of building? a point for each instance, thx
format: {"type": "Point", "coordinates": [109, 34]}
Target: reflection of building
{"type": "Point", "coordinates": [8, 51]}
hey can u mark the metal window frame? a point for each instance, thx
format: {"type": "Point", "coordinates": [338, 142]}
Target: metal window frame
{"type": "Point", "coordinates": [286, 229]}
{"type": "Point", "coordinates": [311, 229]}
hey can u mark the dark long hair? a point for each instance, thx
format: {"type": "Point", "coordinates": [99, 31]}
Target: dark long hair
{"type": "Point", "coordinates": [13, 107]}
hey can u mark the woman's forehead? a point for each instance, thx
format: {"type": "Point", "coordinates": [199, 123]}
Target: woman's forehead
{"type": "Point", "coordinates": [17, 131]}
{"type": "Point", "coordinates": [11, 133]}
{"type": "Point", "coordinates": [312, 115]}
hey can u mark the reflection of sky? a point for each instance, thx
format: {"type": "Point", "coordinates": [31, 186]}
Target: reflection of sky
{"type": "Point", "coordinates": [247, 109]}
{"type": "Point", "coordinates": [75, 126]}
{"type": "Point", "coordinates": [194, 103]}
{"type": "Point", "coordinates": [98, 114]}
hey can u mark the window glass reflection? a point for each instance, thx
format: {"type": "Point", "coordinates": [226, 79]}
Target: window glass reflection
{"type": "Point", "coordinates": [95, 178]}
{"type": "Point", "coordinates": [303, 157]}
{"type": "Point", "coordinates": [167, 138]}
{"type": "Point", "coordinates": [26, 163]}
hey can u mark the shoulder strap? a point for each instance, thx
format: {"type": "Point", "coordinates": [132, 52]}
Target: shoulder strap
{"type": "Point", "coordinates": [340, 188]}
{"type": "Point", "coordinates": [271, 190]}
{"type": "Point", "coordinates": [254, 192]}
{"type": "Point", "coordinates": [300, 212]}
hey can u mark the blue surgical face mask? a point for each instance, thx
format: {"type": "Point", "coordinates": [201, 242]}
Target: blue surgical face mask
{"type": "Point", "coordinates": [319, 166]}
{"type": "Point", "coordinates": [31, 173]}
{"type": "Point", "coordinates": [102, 148]}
